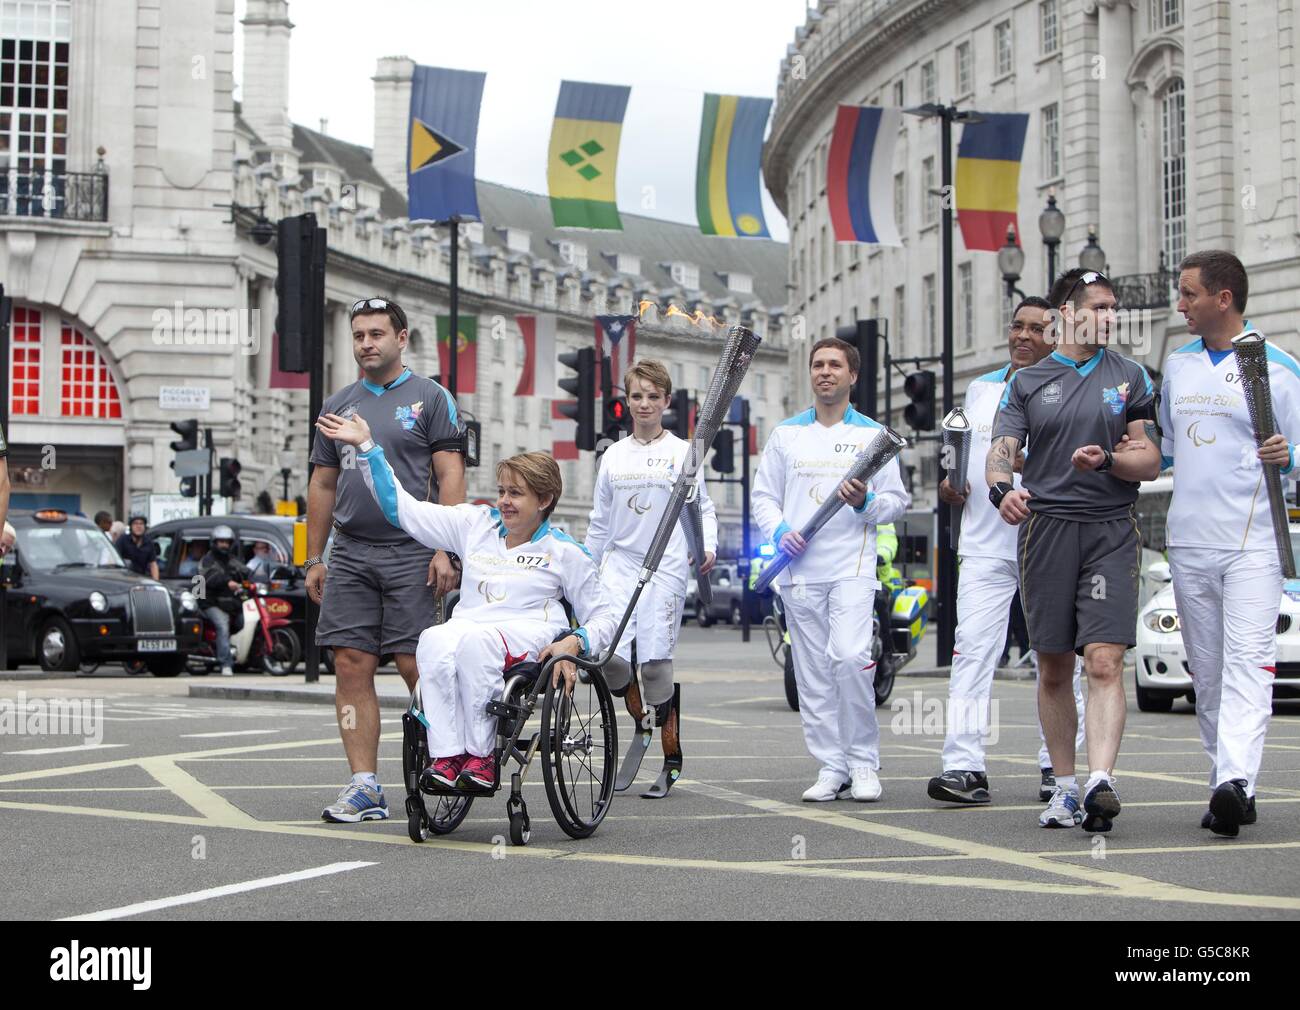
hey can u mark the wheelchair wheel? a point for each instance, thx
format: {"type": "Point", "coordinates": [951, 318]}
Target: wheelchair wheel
{"type": "Point", "coordinates": [448, 811]}
{"type": "Point", "coordinates": [579, 754]}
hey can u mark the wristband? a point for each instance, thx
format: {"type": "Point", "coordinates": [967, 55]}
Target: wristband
{"type": "Point", "coordinates": [366, 446]}
{"type": "Point", "coordinates": [1106, 463]}
{"type": "Point", "coordinates": [999, 491]}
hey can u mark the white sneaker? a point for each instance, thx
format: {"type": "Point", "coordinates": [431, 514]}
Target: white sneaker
{"type": "Point", "coordinates": [227, 672]}
{"type": "Point", "coordinates": [827, 787]}
{"type": "Point", "coordinates": [866, 785]}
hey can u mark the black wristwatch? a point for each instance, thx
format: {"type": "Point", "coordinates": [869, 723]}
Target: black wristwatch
{"type": "Point", "coordinates": [1106, 463]}
{"type": "Point", "coordinates": [999, 491]}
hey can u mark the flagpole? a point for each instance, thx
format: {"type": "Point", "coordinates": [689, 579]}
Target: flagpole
{"type": "Point", "coordinates": [453, 322]}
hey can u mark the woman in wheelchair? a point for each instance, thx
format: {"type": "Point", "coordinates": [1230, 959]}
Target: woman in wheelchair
{"type": "Point", "coordinates": [516, 568]}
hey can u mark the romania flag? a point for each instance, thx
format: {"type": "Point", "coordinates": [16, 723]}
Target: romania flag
{"type": "Point", "coordinates": [727, 199]}
{"type": "Point", "coordinates": [859, 175]}
{"type": "Point", "coordinates": [441, 137]}
{"type": "Point", "coordinates": [988, 178]}
{"type": "Point", "coordinates": [584, 155]}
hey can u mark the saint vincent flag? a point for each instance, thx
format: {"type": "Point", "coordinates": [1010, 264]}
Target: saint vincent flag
{"type": "Point", "coordinates": [584, 155]}
{"type": "Point", "coordinates": [860, 175]}
{"type": "Point", "coordinates": [466, 353]}
{"type": "Point", "coordinates": [442, 134]}
{"type": "Point", "coordinates": [988, 178]}
{"type": "Point", "coordinates": [727, 199]}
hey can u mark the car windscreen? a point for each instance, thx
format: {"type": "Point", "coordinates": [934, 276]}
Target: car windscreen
{"type": "Point", "coordinates": [54, 548]}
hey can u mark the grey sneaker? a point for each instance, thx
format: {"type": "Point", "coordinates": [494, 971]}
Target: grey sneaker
{"type": "Point", "coordinates": [1063, 810]}
{"type": "Point", "coordinates": [1101, 805]}
{"type": "Point", "coordinates": [357, 803]}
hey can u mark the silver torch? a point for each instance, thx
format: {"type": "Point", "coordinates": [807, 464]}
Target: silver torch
{"type": "Point", "coordinates": [954, 457]}
{"type": "Point", "coordinates": [1252, 364]}
{"type": "Point", "coordinates": [692, 522]}
{"type": "Point", "coordinates": [866, 464]}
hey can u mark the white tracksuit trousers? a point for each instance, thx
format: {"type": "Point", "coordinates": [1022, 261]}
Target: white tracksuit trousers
{"type": "Point", "coordinates": [1228, 602]}
{"type": "Point", "coordinates": [462, 666]}
{"type": "Point", "coordinates": [834, 671]}
{"type": "Point", "coordinates": [985, 589]}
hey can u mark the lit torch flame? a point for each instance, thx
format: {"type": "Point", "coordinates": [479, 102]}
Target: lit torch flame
{"type": "Point", "coordinates": [696, 318]}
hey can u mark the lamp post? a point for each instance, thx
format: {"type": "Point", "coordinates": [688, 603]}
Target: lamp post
{"type": "Point", "coordinates": [1011, 260]}
{"type": "Point", "coordinates": [1051, 225]}
{"type": "Point", "coordinates": [1093, 256]}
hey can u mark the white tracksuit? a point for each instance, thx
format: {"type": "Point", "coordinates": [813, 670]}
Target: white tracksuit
{"type": "Point", "coordinates": [1227, 576]}
{"type": "Point", "coordinates": [985, 588]}
{"type": "Point", "coordinates": [632, 490]}
{"type": "Point", "coordinates": [829, 592]}
{"type": "Point", "coordinates": [510, 607]}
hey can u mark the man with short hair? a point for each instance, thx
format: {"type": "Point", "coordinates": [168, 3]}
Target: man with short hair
{"type": "Point", "coordinates": [103, 520]}
{"type": "Point", "coordinates": [376, 598]}
{"type": "Point", "coordinates": [828, 590]}
{"type": "Point", "coordinates": [139, 551]}
{"type": "Point", "coordinates": [1224, 560]}
{"type": "Point", "coordinates": [1078, 546]}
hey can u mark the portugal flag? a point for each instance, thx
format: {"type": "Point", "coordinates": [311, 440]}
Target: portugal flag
{"type": "Point", "coordinates": [466, 356]}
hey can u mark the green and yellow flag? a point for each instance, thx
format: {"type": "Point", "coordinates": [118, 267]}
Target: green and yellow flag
{"type": "Point", "coordinates": [584, 155]}
{"type": "Point", "coordinates": [728, 197]}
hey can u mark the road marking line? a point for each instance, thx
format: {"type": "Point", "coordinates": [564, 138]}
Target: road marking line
{"type": "Point", "coordinates": [65, 750]}
{"type": "Point", "coordinates": [202, 798]}
{"type": "Point", "coordinates": [143, 907]}
{"type": "Point", "coordinates": [231, 732]}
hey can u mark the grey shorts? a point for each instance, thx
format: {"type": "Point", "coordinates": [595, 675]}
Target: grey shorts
{"type": "Point", "coordinates": [375, 598]}
{"type": "Point", "coordinates": [1079, 581]}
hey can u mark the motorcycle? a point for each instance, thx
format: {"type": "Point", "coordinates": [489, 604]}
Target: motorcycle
{"type": "Point", "coordinates": [260, 636]}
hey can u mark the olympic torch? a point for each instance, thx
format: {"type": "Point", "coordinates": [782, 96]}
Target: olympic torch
{"type": "Point", "coordinates": [955, 459]}
{"type": "Point", "coordinates": [866, 464]}
{"type": "Point", "coordinates": [692, 522]}
{"type": "Point", "coordinates": [1252, 364]}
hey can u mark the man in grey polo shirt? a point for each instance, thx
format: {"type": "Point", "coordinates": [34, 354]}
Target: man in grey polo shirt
{"type": "Point", "coordinates": [1079, 549]}
{"type": "Point", "coordinates": [377, 595]}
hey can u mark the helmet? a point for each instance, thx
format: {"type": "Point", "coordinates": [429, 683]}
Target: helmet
{"type": "Point", "coordinates": [142, 518]}
{"type": "Point", "coordinates": [223, 532]}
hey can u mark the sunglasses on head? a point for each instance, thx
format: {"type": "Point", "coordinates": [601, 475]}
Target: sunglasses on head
{"type": "Point", "coordinates": [1091, 277]}
{"type": "Point", "coordinates": [381, 305]}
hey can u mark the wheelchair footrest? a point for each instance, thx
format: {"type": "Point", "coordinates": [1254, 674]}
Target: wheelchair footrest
{"type": "Point", "coordinates": [503, 710]}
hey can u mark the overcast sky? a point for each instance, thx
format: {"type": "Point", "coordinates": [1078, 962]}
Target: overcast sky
{"type": "Point", "coordinates": [669, 51]}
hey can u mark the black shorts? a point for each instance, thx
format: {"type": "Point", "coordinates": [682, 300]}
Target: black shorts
{"type": "Point", "coordinates": [1079, 581]}
{"type": "Point", "coordinates": [376, 598]}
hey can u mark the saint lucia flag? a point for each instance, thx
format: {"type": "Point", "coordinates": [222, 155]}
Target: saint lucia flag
{"type": "Point", "coordinates": [988, 178]}
{"type": "Point", "coordinates": [859, 175]}
{"type": "Point", "coordinates": [584, 155]}
{"type": "Point", "coordinates": [727, 199]}
{"type": "Point", "coordinates": [441, 139]}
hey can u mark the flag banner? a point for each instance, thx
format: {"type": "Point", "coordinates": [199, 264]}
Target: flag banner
{"type": "Point", "coordinates": [620, 332]}
{"type": "Point", "coordinates": [988, 179]}
{"type": "Point", "coordinates": [466, 355]}
{"type": "Point", "coordinates": [564, 432]}
{"type": "Point", "coordinates": [285, 380]}
{"type": "Point", "coordinates": [537, 376]}
{"type": "Point", "coordinates": [860, 175]}
{"type": "Point", "coordinates": [727, 189]}
{"type": "Point", "coordinates": [442, 134]}
{"type": "Point", "coordinates": [584, 155]}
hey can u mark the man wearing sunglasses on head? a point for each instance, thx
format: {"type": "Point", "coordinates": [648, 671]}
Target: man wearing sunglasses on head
{"type": "Point", "coordinates": [1078, 549]}
{"type": "Point", "coordinates": [378, 594]}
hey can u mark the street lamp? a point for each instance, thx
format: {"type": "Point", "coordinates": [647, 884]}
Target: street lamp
{"type": "Point", "coordinates": [1011, 260]}
{"type": "Point", "coordinates": [1051, 225]}
{"type": "Point", "coordinates": [1093, 256]}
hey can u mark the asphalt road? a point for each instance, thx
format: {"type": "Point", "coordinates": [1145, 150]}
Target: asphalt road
{"type": "Point", "coordinates": [183, 795]}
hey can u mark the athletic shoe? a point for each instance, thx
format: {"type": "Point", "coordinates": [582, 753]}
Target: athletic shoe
{"type": "Point", "coordinates": [357, 803]}
{"type": "Point", "coordinates": [444, 772]}
{"type": "Point", "coordinates": [1046, 784]}
{"type": "Point", "coordinates": [1207, 818]}
{"type": "Point", "coordinates": [1229, 807]}
{"type": "Point", "coordinates": [1062, 812]}
{"type": "Point", "coordinates": [827, 787]}
{"type": "Point", "coordinates": [865, 784]}
{"type": "Point", "coordinates": [479, 773]}
{"type": "Point", "coordinates": [1101, 805]}
{"type": "Point", "coordinates": [959, 787]}
{"type": "Point", "coordinates": [227, 672]}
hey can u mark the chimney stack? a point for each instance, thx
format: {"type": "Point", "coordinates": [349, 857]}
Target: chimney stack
{"type": "Point", "coordinates": [265, 91]}
{"type": "Point", "coordinates": [392, 107]}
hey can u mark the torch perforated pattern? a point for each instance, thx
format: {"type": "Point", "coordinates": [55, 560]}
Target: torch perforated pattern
{"type": "Point", "coordinates": [692, 522]}
{"type": "Point", "coordinates": [956, 444]}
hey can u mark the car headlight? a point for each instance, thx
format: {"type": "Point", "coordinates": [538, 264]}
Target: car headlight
{"type": "Point", "coordinates": [188, 602]}
{"type": "Point", "coordinates": [98, 602]}
{"type": "Point", "coordinates": [1164, 621]}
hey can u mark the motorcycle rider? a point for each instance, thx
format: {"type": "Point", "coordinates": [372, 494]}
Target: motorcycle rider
{"type": "Point", "coordinates": [222, 574]}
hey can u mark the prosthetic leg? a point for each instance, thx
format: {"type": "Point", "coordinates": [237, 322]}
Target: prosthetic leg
{"type": "Point", "coordinates": [668, 716]}
{"type": "Point", "coordinates": [642, 734]}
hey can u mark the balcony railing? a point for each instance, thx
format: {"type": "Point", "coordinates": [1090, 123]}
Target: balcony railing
{"type": "Point", "coordinates": [67, 196]}
{"type": "Point", "coordinates": [1146, 291]}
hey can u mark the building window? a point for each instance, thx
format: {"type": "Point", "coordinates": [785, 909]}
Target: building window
{"type": "Point", "coordinates": [25, 362]}
{"type": "Point", "coordinates": [929, 88]}
{"type": "Point", "coordinates": [898, 93]}
{"type": "Point", "coordinates": [824, 265]}
{"type": "Point", "coordinates": [497, 401]}
{"type": "Point", "coordinates": [34, 88]}
{"type": "Point", "coordinates": [900, 318]}
{"type": "Point", "coordinates": [965, 85]}
{"type": "Point", "coordinates": [1173, 175]}
{"type": "Point", "coordinates": [1002, 47]}
{"type": "Point", "coordinates": [812, 260]}
{"type": "Point", "coordinates": [521, 410]}
{"type": "Point", "coordinates": [704, 375]}
{"type": "Point", "coordinates": [1051, 141]}
{"type": "Point", "coordinates": [760, 385]}
{"type": "Point", "coordinates": [498, 350]}
{"type": "Point", "coordinates": [927, 314]}
{"type": "Point", "coordinates": [900, 203]}
{"type": "Point", "coordinates": [1047, 26]}
{"type": "Point", "coordinates": [88, 389]}
{"type": "Point", "coordinates": [1166, 14]}
{"type": "Point", "coordinates": [966, 303]}
{"type": "Point", "coordinates": [875, 307]}
{"type": "Point", "coordinates": [929, 203]}
{"type": "Point", "coordinates": [1005, 315]}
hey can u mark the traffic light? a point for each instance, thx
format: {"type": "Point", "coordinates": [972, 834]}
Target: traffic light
{"type": "Point", "coordinates": [582, 387]}
{"type": "Point", "coordinates": [228, 469]}
{"type": "Point", "coordinates": [189, 487]}
{"type": "Point", "coordinates": [724, 451]}
{"type": "Point", "coordinates": [300, 257]}
{"type": "Point", "coordinates": [189, 435]}
{"type": "Point", "coordinates": [618, 417]}
{"type": "Point", "coordinates": [677, 418]}
{"type": "Point", "coordinates": [864, 335]}
{"type": "Point", "coordinates": [919, 387]}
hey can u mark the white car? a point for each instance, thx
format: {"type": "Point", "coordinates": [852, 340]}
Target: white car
{"type": "Point", "coordinates": [1161, 660]}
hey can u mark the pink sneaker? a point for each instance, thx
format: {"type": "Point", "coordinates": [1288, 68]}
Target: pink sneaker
{"type": "Point", "coordinates": [446, 771]}
{"type": "Point", "coordinates": [479, 773]}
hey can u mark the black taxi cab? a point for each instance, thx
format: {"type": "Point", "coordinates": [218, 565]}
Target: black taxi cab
{"type": "Point", "coordinates": [70, 600]}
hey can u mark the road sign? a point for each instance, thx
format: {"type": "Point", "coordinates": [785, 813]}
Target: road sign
{"type": "Point", "coordinates": [193, 463]}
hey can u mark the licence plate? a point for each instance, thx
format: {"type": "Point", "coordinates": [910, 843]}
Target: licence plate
{"type": "Point", "coordinates": [157, 645]}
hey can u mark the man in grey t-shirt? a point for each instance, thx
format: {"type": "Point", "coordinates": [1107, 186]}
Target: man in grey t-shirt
{"type": "Point", "coordinates": [376, 598]}
{"type": "Point", "coordinates": [1078, 548]}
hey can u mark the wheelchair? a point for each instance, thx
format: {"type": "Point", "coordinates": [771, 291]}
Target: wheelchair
{"type": "Point", "coordinates": [577, 743]}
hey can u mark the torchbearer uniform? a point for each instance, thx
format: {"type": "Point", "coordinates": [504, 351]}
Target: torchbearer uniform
{"type": "Point", "coordinates": [829, 592]}
{"type": "Point", "coordinates": [509, 608]}
{"type": "Point", "coordinates": [1227, 577]}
